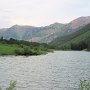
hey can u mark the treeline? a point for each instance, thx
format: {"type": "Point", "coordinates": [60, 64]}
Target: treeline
{"type": "Point", "coordinates": [80, 46]}
{"type": "Point", "coordinates": [12, 41]}
{"type": "Point", "coordinates": [76, 46]}
{"type": "Point", "coordinates": [19, 42]}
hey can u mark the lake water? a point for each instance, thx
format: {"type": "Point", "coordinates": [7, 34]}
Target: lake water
{"type": "Point", "coordinates": [61, 70]}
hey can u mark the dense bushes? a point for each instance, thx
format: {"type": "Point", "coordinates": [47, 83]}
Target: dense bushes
{"type": "Point", "coordinates": [27, 51]}
{"type": "Point", "coordinates": [79, 46]}
{"type": "Point", "coordinates": [76, 46]}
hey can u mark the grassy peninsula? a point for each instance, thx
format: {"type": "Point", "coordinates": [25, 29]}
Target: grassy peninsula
{"type": "Point", "coordinates": [20, 47]}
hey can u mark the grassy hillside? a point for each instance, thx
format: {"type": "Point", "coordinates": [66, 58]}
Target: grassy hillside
{"type": "Point", "coordinates": [17, 50]}
{"type": "Point", "coordinates": [81, 36]}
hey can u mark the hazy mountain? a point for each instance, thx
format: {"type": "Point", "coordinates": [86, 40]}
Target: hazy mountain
{"type": "Point", "coordinates": [31, 33]}
{"type": "Point", "coordinates": [79, 22]}
{"type": "Point", "coordinates": [44, 34]}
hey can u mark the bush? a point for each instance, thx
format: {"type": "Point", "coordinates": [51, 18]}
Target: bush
{"type": "Point", "coordinates": [84, 85]}
{"type": "Point", "coordinates": [12, 86]}
{"type": "Point", "coordinates": [19, 52]}
{"type": "Point", "coordinates": [27, 51]}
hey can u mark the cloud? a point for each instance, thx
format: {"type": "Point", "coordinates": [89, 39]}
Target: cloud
{"type": "Point", "coordinates": [5, 11]}
{"type": "Point", "coordinates": [41, 12]}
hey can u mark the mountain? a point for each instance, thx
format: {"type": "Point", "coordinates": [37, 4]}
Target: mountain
{"type": "Point", "coordinates": [79, 22]}
{"type": "Point", "coordinates": [76, 38]}
{"type": "Point", "coordinates": [44, 34]}
{"type": "Point", "coordinates": [31, 33]}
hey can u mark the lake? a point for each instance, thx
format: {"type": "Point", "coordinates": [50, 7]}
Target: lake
{"type": "Point", "coordinates": [61, 70]}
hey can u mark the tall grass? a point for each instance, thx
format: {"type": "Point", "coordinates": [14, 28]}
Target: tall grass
{"type": "Point", "coordinates": [12, 86]}
{"type": "Point", "coordinates": [84, 85]}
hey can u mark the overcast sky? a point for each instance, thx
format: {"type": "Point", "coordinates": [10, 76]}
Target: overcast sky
{"type": "Point", "coordinates": [41, 12]}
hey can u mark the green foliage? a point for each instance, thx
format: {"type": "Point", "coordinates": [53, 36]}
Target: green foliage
{"type": "Point", "coordinates": [79, 46]}
{"type": "Point", "coordinates": [84, 85]}
{"type": "Point", "coordinates": [16, 47]}
{"type": "Point", "coordinates": [8, 49]}
{"type": "Point", "coordinates": [12, 86]}
{"type": "Point", "coordinates": [27, 51]}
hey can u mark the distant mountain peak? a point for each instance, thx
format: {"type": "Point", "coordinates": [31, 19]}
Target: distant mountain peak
{"type": "Point", "coordinates": [21, 27]}
{"type": "Point", "coordinates": [84, 17]}
{"type": "Point", "coordinates": [81, 21]}
{"type": "Point", "coordinates": [56, 24]}
{"type": "Point", "coordinates": [15, 26]}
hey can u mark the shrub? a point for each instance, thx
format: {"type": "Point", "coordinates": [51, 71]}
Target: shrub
{"type": "Point", "coordinates": [84, 85]}
{"type": "Point", "coordinates": [12, 86]}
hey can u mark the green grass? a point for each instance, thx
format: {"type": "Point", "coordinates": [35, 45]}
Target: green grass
{"type": "Point", "coordinates": [8, 49]}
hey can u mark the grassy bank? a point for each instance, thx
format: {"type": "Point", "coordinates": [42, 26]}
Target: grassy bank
{"type": "Point", "coordinates": [18, 50]}
{"type": "Point", "coordinates": [20, 47]}
{"type": "Point", "coordinates": [8, 49]}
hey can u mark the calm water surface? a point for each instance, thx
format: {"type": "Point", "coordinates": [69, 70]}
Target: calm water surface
{"type": "Point", "coordinates": [60, 70]}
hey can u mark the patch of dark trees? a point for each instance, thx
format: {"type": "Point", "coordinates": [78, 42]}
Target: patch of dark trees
{"type": "Point", "coordinates": [22, 42]}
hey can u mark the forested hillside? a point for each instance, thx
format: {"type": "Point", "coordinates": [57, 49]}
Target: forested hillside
{"type": "Point", "coordinates": [77, 41]}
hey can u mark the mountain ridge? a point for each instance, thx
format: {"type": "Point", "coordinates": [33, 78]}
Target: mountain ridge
{"type": "Point", "coordinates": [43, 34]}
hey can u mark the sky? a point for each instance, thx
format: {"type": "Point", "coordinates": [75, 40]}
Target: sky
{"type": "Point", "coordinates": [41, 12]}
